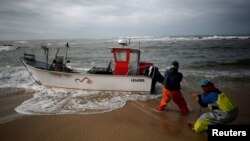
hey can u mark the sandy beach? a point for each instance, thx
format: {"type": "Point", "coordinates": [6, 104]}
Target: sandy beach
{"type": "Point", "coordinates": [137, 120]}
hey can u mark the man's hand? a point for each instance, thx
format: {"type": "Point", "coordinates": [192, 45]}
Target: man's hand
{"type": "Point", "coordinates": [195, 96]}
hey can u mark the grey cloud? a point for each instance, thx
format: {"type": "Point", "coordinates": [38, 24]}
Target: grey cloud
{"type": "Point", "coordinates": [90, 18]}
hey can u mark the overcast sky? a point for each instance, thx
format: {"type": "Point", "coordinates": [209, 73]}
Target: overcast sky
{"type": "Point", "coordinates": [55, 19]}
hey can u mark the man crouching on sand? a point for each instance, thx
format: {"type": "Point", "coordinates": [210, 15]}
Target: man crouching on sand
{"type": "Point", "coordinates": [223, 108]}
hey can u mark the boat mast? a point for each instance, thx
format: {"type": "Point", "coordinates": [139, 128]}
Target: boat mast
{"type": "Point", "coordinates": [67, 46]}
{"type": "Point", "coordinates": [46, 51]}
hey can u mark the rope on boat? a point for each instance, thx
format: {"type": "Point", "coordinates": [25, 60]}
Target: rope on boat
{"type": "Point", "coordinates": [39, 83]}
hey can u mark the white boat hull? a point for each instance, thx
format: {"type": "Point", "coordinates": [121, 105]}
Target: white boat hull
{"type": "Point", "coordinates": [96, 82]}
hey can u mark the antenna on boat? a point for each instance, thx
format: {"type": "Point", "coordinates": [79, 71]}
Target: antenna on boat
{"type": "Point", "coordinates": [122, 42]}
{"type": "Point", "coordinates": [67, 46]}
{"type": "Point", "coordinates": [57, 52]}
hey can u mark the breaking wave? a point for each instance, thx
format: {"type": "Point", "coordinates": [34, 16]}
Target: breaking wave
{"type": "Point", "coordinates": [179, 38]}
{"type": "Point", "coordinates": [15, 77]}
{"type": "Point", "coordinates": [7, 48]}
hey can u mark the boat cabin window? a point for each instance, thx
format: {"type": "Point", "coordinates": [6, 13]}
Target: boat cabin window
{"type": "Point", "coordinates": [121, 55]}
{"type": "Point", "coordinates": [133, 64]}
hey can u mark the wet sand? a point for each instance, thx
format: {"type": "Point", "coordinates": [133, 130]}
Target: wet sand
{"type": "Point", "coordinates": [9, 100]}
{"type": "Point", "coordinates": [137, 120]}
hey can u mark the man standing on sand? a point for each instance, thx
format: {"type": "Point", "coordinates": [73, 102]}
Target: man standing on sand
{"type": "Point", "coordinates": [171, 89]}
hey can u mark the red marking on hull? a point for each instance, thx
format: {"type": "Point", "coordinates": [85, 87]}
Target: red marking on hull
{"type": "Point", "coordinates": [89, 81]}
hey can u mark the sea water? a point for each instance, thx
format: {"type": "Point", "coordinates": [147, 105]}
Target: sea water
{"type": "Point", "coordinates": [218, 58]}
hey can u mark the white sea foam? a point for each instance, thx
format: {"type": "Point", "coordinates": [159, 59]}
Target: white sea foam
{"type": "Point", "coordinates": [7, 48]}
{"type": "Point", "coordinates": [15, 77]}
{"type": "Point", "coordinates": [47, 101]}
{"type": "Point", "coordinates": [224, 37]}
{"type": "Point", "coordinates": [183, 38]}
{"type": "Point", "coordinates": [21, 42]}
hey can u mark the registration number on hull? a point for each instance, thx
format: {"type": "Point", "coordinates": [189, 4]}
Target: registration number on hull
{"type": "Point", "coordinates": [137, 80]}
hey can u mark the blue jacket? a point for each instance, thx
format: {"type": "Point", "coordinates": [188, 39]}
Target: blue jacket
{"type": "Point", "coordinates": [172, 79]}
{"type": "Point", "coordinates": [209, 98]}
{"type": "Point", "coordinates": [217, 100]}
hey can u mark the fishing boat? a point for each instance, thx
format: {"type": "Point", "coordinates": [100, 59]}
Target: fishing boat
{"type": "Point", "coordinates": [127, 75]}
